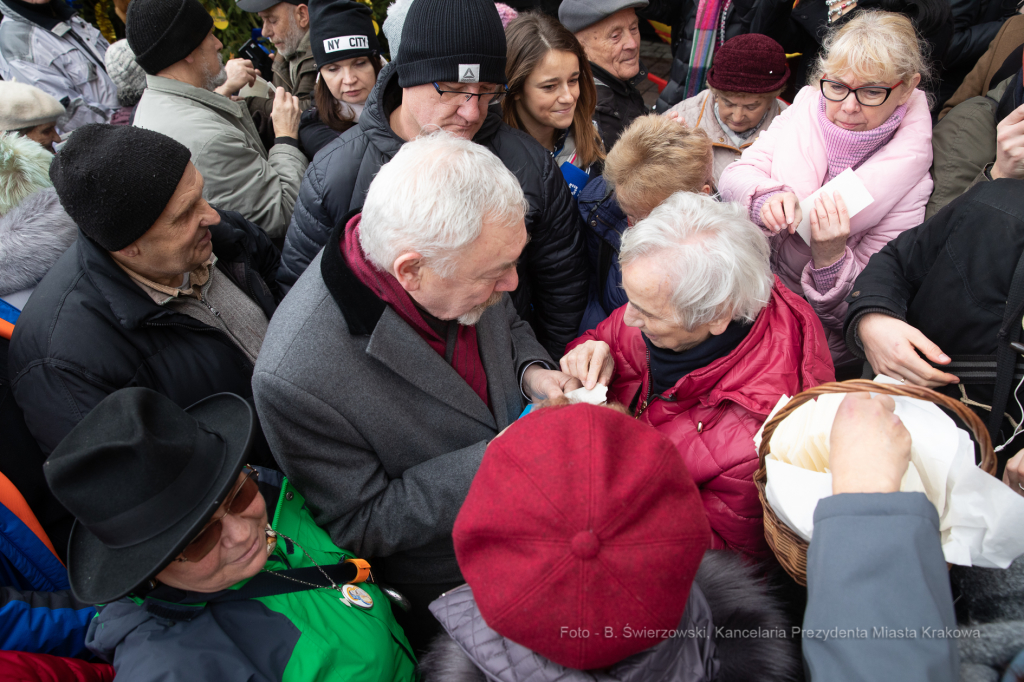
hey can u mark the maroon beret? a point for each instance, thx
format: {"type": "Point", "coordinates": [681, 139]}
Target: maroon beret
{"type": "Point", "coordinates": [751, 63]}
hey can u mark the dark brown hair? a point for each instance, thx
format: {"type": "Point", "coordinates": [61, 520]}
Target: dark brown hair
{"type": "Point", "coordinates": [530, 37]}
{"type": "Point", "coordinates": [327, 105]}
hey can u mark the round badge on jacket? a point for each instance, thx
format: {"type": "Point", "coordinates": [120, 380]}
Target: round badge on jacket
{"type": "Point", "coordinates": [357, 596]}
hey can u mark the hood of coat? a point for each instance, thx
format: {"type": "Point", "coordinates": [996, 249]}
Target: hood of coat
{"type": "Point", "coordinates": [728, 594]}
{"type": "Point", "coordinates": [784, 352]}
{"type": "Point", "coordinates": [24, 169]}
{"type": "Point", "coordinates": [33, 235]}
{"type": "Point", "coordinates": [112, 624]}
{"type": "Point", "coordinates": [385, 98]}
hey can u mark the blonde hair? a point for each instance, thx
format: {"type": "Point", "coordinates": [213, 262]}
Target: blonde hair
{"type": "Point", "coordinates": [656, 157]}
{"type": "Point", "coordinates": [875, 47]}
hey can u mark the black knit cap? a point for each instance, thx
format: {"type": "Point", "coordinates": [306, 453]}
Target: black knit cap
{"type": "Point", "coordinates": [114, 181]}
{"type": "Point", "coordinates": [454, 41]}
{"type": "Point", "coordinates": [340, 29]}
{"type": "Point", "coordinates": [163, 32]}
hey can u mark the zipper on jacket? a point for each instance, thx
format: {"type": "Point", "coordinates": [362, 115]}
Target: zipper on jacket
{"type": "Point", "coordinates": [648, 398]}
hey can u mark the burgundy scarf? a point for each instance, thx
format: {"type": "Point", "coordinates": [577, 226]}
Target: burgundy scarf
{"type": "Point", "coordinates": [466, 358]}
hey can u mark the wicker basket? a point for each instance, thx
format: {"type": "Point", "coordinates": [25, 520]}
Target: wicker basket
{"type": "Point", "coordinates": [791, 549]}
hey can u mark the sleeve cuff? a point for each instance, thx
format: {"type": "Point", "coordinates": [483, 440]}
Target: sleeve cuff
{"type": "Point", "coordinates": [522, 374]}
{"type": "Point", "coordinates": [758, 203]}
{"type": "Point", "coordinates": [825, 278]}
{"type": "Point", "coordinates": [286, 140]}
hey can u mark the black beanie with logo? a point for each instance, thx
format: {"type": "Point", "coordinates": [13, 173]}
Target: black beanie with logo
{"type": "Point", "coordinates": [340, 29]}
{"type": "Point", "coordinates": [115, 181]}
{"type": "Point", "coordinates": [452, 41]}
{"type": "Point", "coordinates": [163, 32]}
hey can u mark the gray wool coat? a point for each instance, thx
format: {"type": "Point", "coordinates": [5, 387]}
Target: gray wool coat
{"type": "Point", "coordinates": [376, 430]}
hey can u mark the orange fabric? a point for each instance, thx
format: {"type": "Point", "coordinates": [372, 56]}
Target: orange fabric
{"type": "Point", "coordinates": [13, 500]}
{"type": "Point", "coordinates": [6, 329]}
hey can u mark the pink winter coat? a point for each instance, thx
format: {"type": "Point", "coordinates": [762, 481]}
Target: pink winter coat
{"type": "Point", "coordinates": [712, 413]}
{"type": "Point", "coordinates": [790, 156]}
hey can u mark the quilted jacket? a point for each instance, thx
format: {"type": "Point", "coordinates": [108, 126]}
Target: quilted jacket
{"type": "Point", "coordinates": [552, 290]}
{"type": "Point", "coordinates": [791, 155]}
{"type": "Point", "coordinates": [712, 414]}
{"type": "Point", "coordinates": [726, 599]}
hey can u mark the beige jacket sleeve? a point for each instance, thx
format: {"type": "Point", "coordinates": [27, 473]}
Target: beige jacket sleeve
{"type": "Point", "coordinates": [239, 178]}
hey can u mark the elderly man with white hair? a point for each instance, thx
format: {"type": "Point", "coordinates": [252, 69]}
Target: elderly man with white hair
{"type": "Point", "coordinates": [397, 357]}
{"type": "Point", "coordinates": [706, 345]}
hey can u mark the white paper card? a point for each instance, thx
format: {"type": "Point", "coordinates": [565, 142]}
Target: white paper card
{"type": "Point", "coordinates": [594, 396]}
{"type": "Point", "coordinates": [849, 186]}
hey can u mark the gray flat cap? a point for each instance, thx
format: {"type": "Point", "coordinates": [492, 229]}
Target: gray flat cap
{"type": "Point", "coordinates": [576, 15]}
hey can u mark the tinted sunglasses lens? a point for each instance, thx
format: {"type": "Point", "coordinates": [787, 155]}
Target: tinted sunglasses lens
{"type": "Point", "coordinates": [244, 497]}
{"type": "Point", "coordinates": [203, 543]}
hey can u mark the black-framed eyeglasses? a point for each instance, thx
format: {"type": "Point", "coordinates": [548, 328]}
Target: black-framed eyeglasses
{"type": "Point", "coordinates": [457, 97]}
{"type": "Point", "coordinates": [868, 96]}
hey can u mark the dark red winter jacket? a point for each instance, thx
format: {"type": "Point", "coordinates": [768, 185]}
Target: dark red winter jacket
{"type": "Point", "coordinates": [712, 414]}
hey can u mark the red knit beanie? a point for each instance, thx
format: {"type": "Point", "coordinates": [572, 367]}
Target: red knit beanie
{"type": "Point", "coordinates": [751, 63]}
{"type": "Point", "coordinates": [581, 534]}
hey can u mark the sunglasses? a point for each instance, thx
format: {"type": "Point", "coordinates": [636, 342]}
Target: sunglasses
{"type": "Point", "coordinates": [237, 501]}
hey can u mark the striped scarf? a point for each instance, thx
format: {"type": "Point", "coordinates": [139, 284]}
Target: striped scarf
{"type": "Point", "coordinates": [708, 33]}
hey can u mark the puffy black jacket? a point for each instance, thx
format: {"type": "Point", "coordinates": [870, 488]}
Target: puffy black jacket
{"type": "Point", "coordinates": [552, 290]}
{"type": "Point", "coordinates": [975, 24]}
{"type": "Point", "coordinates": [89, 330]}
{"type": "Point", "coordinates": [618, 103]}
{"type": "Point", "coordinates": [737, 22]}
{"type": "Point", "coordinates": [949, 277]}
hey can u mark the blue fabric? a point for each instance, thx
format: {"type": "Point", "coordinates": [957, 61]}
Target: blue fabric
{"type": "Point", "coordinates": [25, 626]}
{"type": "Point", "coordinates": [605, 222]}
{"type": "Point", "coordinates": [37, 614]}
{"type": "Point", "coordinates": [8, 312]}
{"type": "Point", "coordinates": [575, 178]}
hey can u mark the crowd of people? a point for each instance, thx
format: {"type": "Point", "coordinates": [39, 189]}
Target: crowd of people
{"type": "Point", "coordinates": [287, 366]}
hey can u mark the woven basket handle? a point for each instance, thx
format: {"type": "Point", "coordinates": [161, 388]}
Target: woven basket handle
{"type": "Point", "coordinates": [966, 414]}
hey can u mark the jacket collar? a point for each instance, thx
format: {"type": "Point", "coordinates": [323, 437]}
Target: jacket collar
{"type": "Point", "coordinates": [132, 306]}
{"type": "Point", "coordinates": [385, 98]}
{"type": "Point", "coordinates": [32, 14]}
{"type": "Point", "coordinates": [617, 85]}
{"type": "Point", "coordinates": [205, 97]}
{"type": "Point", "coordinates": [395, 344]}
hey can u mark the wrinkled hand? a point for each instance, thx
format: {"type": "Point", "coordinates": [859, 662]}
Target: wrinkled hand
{"type": "Point", "coordinates": [240, 73]}
{"type": "Point", "coordinates": [590, 362]}
{"type": "Point", "coordinates": [870, 446]}
{"type": "Point", "coordinates": [285, 114]}
{"type": "Point", "coordinates": [675, 116]}
{"type": "Point", "coordinates": [541, 384]}
{"type": "Point", "coordinates": [830, 227]}
{"type": "Point", "coordinates": [890, 348]}
{"type": "Point", "coordinates": [1013, 475]}
{"type": "Point", "coordinates": [782, 212]}
{"type": "Point", "coordinates": [1010, 146]}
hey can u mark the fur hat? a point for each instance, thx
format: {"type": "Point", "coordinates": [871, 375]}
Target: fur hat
{"type": "Point", "coordinates": [25, 106]}
{"type": "Point", "coordinates": [34, 229]}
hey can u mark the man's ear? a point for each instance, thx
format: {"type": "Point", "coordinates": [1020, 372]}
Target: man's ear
{"type": "Point", "coordinates": [408, 270]}
{"type": "Point", "coordinates": [302, 15]}
{"type": "Point", "coordinates": [720, 325]}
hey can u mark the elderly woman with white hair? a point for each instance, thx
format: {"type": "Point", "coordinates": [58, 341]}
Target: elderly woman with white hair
{"type": "Point", "coordinates": [706, 345]}
{"type": "Point", "coordinates": [863, 111]}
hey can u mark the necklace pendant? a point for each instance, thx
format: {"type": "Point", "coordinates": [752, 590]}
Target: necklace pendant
{"type": "Point", "coordinates": [357, 596]}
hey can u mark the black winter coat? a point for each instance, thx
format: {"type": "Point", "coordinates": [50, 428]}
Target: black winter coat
{"type": "Point", "coordinates": [552, 290]}
{"type": "Point", "coordinates": [618, 103]}
{"type": "Point", "coordinates": [89, 330]}
{"type": "Point", "coordinates": [949, 277]}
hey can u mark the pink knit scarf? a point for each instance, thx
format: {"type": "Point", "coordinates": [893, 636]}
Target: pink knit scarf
{"type": "Point", "coordinates": [850, 148]}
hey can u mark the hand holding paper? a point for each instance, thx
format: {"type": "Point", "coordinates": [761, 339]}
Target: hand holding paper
{"type": "Point", "coordinates": [849, 186]}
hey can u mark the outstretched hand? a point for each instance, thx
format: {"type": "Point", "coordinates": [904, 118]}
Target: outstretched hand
{"type": "Point", "coordinates": [869, 446]}
{"type": "Point", "coordinates": [590, 362]}
{"type": "Point", "coordinates": [891, 347]}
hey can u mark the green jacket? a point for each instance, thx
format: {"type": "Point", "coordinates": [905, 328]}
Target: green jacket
{"type": "Point", "coordinates": [304, 636]}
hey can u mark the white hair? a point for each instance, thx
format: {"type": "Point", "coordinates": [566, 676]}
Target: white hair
{"type": "Point", "coordinates": [722, 259]}
{"type": "Point", "coordinates": [433, 198]}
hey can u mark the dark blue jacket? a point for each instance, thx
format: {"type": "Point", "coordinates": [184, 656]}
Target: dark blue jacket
{"type": "Point", "coordinates": [605, 223]}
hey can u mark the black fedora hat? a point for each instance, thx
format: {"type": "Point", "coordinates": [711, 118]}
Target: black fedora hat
{"type": "Point", "coordinates": [142, 477]}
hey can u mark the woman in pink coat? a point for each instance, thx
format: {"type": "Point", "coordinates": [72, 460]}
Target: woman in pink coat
{"type": "Point", "coordinates": [865, 113]}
